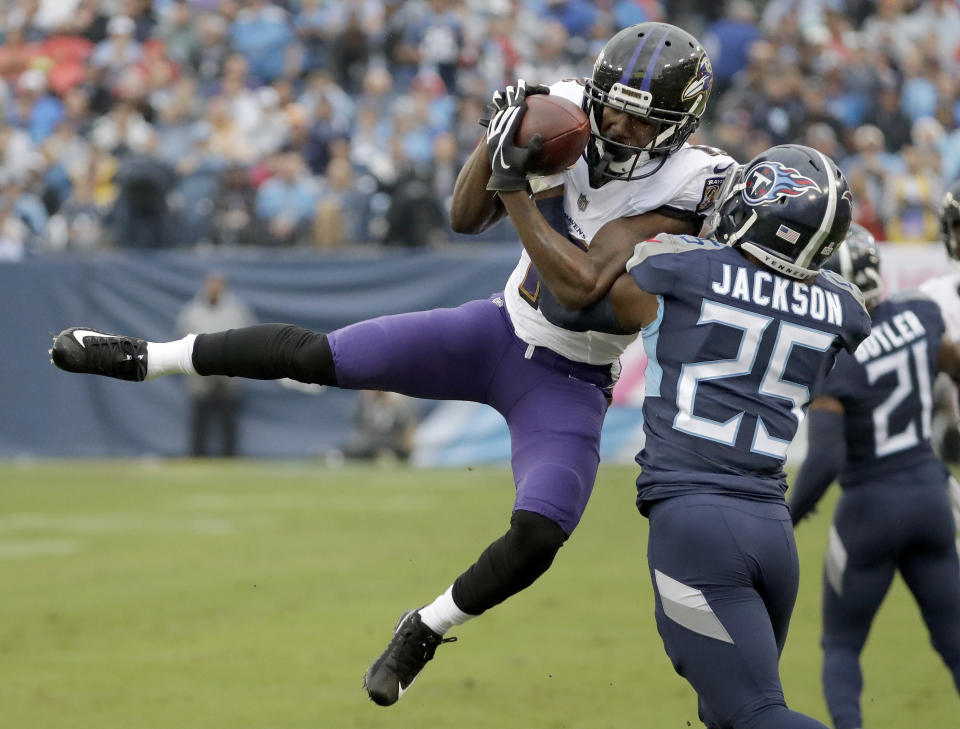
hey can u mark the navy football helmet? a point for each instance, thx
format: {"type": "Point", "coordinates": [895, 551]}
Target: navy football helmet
{"type": "Point", "coordinates": [949, 219]}
{"type": "Point", "coordinates": [789, 206]}
{"type": "Point", "coordinates": [858, 261]}
{"type": "Point", "coordinates": [655, 71]}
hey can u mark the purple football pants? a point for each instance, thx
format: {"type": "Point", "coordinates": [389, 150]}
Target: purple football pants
{"type": "Point", "coordinates": [553, 406]}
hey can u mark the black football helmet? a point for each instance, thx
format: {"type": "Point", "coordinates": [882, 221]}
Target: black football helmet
{"type": "Point", "coordinates": [789, 206]}
{"type": "Point", "coordinates": [651, 70]}
{"type": "Point", "coordinates": [858, 261]}
{"type": "Point", "coordinates": [949, 219]}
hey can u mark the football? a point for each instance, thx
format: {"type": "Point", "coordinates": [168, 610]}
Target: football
{"type": "Point", "coordinates": [563, 126]}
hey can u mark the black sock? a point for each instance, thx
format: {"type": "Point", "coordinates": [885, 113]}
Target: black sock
{"type": "Point", "coordinates": [510, 564]}
{"type": "Point", "coordinates": [266, 352]}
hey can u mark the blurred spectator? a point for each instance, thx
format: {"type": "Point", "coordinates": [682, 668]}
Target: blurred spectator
{"type": "Point", "coordinates": [78, 224]}
{"type": "Point", "coordinates": [877, 165]}
{"type": "Point", "coordinates": [918, 96]}
{"type": "Point", "coordinates": [123, 130]}
{"type": "Point", "coordinates": [343, 210]}
{"type": "Point", "coordinates": [780, 111]}
{"type": "Point", "coordinates": [262, 33]}
{"type": "Point", "coordinates": [234, 215]}
{"type": "Point", "coordinates": [214, 401]}
{"type": "Point", "coordinates": [36, 111]}
{"type": "Point", "coordinates": [823, 138]}
{"type": "Point", "coordinates": [935, 25]}
{"type": "Point", "coordinates": [384, 425]}
{"type": "Point", "coordinates": [728, 41]}
{"type": "Point", "coordinates": [815, 111]}
{"type": "Point", "coordinates": [286, 201]}
{"type": "Point", "coordinates": [13, 231]}
{"type": "Point", "coordinates": [884, 30]}
{"type": "Point", "coordinates": [865, 210]}
{"type": "Point", "coordinates": [887, 115]}
{"type": "Point", "coordinates": [397, 88]}
{"type": "Point", "coordinates": [912, 199]}
{"type": "Point", "coordinates": [350, 54]}
{"type": "Point", "coordinates": [178, 31]}
{"type": "Point", "coordinates": [141, 216]}
{"type": "Point", "coordinates": [225, 138]}
{"type": "Point", "coordinates": [120, 49]}
{"type": "Point", "coordinates": [208, 56]}
{"type": "Point", "coordinates": [576, 15]}
{"type": "Point", "coordinates": [416, 216]}
{"type": "Point", "coordinates": [551, 60]}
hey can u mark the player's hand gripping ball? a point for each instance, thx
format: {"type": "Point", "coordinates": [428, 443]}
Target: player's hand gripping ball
{"type": "Point", "coordinates": [531, 132]}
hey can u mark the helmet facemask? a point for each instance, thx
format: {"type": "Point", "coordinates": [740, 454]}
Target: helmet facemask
{"type": "Point", "coordinates": [609, 159]}
{"type": "Point", "coordinates": [655, 72]}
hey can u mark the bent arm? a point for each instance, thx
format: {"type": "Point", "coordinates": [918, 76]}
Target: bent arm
{"type": "Point", "coordinates": [576, 277]}
{"type": "Point", "coordinates": [474, 208]}
{"type": "Point", "coordinates": [825, 456]}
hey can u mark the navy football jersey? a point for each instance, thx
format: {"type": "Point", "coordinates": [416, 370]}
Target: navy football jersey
{"type": "Point", "coordinates": [732, 358]}
{"type": "Point", "coordinates": [886, 391]}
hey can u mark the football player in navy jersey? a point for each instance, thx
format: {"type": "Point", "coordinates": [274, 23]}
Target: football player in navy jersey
{"type": "Point", "coordinates": [870, 424]}
{"type": "Point", "coordinates": [547, 371]}
{"type": "Point", "coordinates": [737, 325]}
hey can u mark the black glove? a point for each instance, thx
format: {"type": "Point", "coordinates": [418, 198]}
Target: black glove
{"type": "Point", "coordinates": [508, 162]}
{"type": "Point", "coordinates": [498, 102]}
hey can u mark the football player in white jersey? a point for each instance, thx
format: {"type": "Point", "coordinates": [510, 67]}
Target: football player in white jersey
{"type": "Point", "coordinates": [945, 291]}
{"type": "Point", "coordinates": [547, 369]}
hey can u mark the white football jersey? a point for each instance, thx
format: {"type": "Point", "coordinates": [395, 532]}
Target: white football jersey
{"type": "Point", "coordinates": [688, 180]}
{"type": "Point", "coordinates": [944, 291]}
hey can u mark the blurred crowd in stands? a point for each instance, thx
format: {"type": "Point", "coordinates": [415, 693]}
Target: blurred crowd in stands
{"type": "Point", "coordinates": [177, 123]}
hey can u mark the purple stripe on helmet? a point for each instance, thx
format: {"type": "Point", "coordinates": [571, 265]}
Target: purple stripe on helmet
{"type": "Point", "coordinates": [628, 69]}
{"type": "Point", "coordinates": [647, 75]}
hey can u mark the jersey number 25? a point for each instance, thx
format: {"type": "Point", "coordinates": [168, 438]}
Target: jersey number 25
{"type": "Point", "coordinates": [772, 384]}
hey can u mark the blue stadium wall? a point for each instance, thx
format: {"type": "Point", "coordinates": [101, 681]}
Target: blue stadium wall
{"type": "Point", "coordinates": [50, 413]}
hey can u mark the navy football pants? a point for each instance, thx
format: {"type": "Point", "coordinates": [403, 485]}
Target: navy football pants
{"type": "Point", "coordinates": [876, 531]}
{"type": "Point", "coordinates": [725, 574]}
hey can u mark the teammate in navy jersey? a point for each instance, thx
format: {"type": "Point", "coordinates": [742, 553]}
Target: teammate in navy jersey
{"type": "Point", "coordinates": [547, 372]}
{"type": "Point", "coordinates": [870, 424]}
{"type": "Point", "coordinates": [737, 327]}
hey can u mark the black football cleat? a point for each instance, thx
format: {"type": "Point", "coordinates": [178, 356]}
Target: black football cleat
{"type": "Point", "coordinates": [95, 353]}
{"type": "Point", "coordinates": [413, 644]}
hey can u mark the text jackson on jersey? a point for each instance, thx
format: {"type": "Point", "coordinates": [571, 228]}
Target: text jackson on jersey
{"type": "Point", "coordinates": [764, 288]}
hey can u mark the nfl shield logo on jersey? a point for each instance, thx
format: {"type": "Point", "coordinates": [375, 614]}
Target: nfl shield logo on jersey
{"type": "Point", "coordinates": [582, 202]}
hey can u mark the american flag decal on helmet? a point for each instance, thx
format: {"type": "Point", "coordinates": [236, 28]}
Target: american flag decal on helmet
{"type": "Point", "coordinates": [788, 234]}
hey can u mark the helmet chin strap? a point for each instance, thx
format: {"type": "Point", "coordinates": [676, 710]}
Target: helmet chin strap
{"type": "Point", "coordinates": [609, 168]}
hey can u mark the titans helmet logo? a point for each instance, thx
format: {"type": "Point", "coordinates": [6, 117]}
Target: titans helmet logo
{"type": "Point", "coordinates": [767, 182]}
{"type": "Point", "coordinates": [702, 80]}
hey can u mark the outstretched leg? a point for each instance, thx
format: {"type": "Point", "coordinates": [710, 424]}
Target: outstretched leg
{"type": "Point", "coordinates": [438, 354]}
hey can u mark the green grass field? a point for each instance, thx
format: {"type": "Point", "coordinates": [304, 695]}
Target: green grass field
{"type": "Point", "coordinates": [253, 595]}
